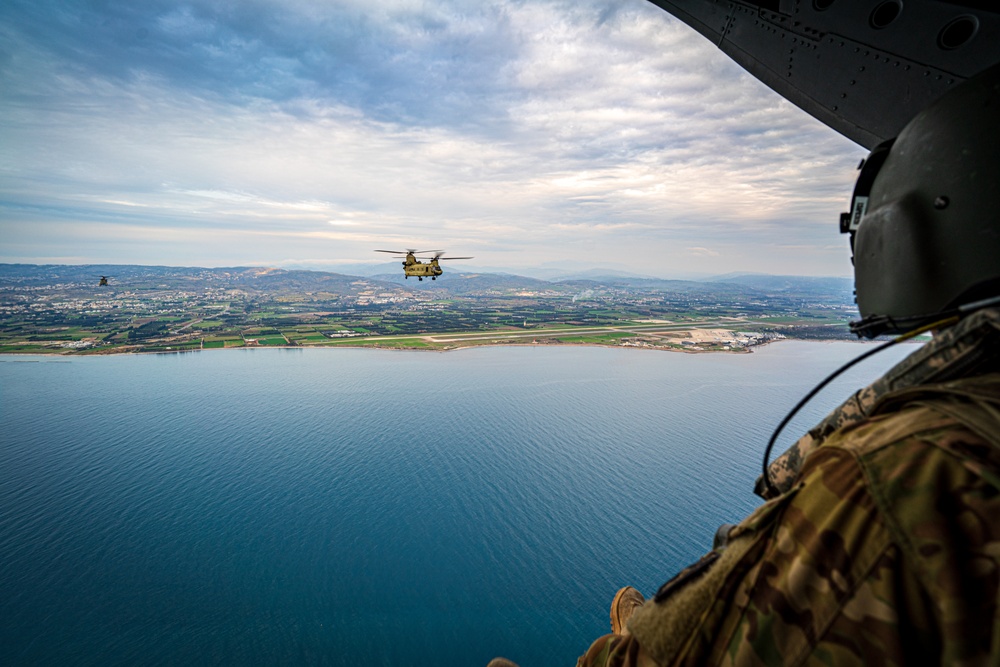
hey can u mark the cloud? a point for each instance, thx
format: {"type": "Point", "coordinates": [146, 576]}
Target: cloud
{"type": "Point", "coordinates": [702, 252]}
{"type": "Point", "coordinates": [539, 127]}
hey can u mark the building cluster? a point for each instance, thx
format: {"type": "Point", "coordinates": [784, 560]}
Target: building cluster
{"type": "Point", "coordinates": [214, 309]}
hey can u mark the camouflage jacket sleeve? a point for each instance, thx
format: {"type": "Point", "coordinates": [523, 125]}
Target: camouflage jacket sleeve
{"type": "Point", "coordinates": [886, 551]}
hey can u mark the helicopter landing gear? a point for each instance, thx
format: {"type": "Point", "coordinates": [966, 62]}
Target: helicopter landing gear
{"type": "Point", "coordinates": [420, 278]}
{"type": "Point", "coordinates": [434, 277]}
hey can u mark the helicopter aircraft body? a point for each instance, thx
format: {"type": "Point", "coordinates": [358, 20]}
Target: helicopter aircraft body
{"type": "Point", "coordinates": [414, 267]}
{"type": "Point", "coordinates": [862, 67]}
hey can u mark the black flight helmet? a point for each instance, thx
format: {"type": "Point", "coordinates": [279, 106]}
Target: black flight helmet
{"type": "Point", "coordinates": [925, 215]}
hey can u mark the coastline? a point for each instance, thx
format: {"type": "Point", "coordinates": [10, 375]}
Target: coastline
{"type": "Point", "coordinates": [692, 338]}
{"type": "Point", "coordinates": [375, 345]}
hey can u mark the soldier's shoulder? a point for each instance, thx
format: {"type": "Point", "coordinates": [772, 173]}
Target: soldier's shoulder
{"type": "Point", "coordinates": [885, 429]}
{"type": "Point", "coordinates": [925, 421]}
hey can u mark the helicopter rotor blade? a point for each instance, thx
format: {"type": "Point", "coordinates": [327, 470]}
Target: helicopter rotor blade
{"type": "Point", "coordinates": [440, 258]}
{"type": "Point", "coordinates": [409, 252]}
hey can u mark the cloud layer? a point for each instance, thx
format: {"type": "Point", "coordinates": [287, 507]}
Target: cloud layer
{"type": "Point", "coordinates": [599, 132]}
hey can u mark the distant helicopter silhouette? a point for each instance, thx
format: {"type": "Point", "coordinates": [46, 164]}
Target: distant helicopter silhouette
{"type": "Point", "coordinates": [414, 267]}
{"type": "Point", "coordinates": [104, 281]}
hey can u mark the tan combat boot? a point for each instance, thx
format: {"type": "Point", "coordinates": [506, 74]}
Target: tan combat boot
{"type": "Point", "coordinates": [626, 601]}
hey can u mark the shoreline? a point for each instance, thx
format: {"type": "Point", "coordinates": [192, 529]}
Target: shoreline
{"type": "Point", "coordinates": [709, 336]}
{"type": "Point", "coordinates": [61, 354]}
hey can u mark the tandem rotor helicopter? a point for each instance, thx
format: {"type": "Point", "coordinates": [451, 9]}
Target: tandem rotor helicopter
{"type": "Point", "coordinates": [414, 267]}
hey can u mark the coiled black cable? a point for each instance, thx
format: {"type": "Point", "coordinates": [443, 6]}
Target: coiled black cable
{"type": "Point", "coordinates": [948, 321]}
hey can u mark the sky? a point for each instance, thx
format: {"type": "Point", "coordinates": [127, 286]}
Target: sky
{"type": "Point", "coordinates": [568, 134]}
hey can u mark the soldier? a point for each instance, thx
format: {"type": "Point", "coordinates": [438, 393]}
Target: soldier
{"type": "Point", "coordinates": [879, 542]}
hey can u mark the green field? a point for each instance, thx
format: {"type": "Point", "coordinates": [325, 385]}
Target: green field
{"type": "Point", "coordinates": [596, 339]}
{"type": "Point", "coordinates": [272, 340]}
{"type": "Point", "coordinates": [410, 343]}
{"type": "Point", "coordinates": [11, 349]}
{"type": "Point", "coordinates": [68, 334]}
{"type": "Point", "coordinates": [175, 347]}
{"type": "Point", "coordinates": [308, 338]}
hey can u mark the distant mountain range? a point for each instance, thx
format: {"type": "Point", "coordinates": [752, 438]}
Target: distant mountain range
{"type": "Point", "coordinates": [453, 281]}
{"type": "Point", "coordinates": [767, 282]}
{"type": "Point", "coordinates": [552, 273]}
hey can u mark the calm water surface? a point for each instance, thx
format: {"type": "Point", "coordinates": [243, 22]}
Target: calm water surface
{"type": "Point", "coordinates": [371, 507]}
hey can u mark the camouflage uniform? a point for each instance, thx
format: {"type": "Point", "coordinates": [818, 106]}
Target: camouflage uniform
{"type": "Point", "coordinates": [882, 547]}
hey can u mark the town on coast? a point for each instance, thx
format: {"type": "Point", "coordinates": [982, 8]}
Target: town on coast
{"type": "Point", "coordinates": [58, 309]}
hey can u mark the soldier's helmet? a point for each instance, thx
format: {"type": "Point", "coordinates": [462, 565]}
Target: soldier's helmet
{"type": "Point", "coordinates": [925, 216]}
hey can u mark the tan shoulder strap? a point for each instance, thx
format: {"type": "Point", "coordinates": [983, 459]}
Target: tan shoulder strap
{"type": "Point", "coordinates": [973, 402]}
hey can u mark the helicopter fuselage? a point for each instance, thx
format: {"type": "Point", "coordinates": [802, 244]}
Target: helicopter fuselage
{"type": "Point", "coordinates": [414, 267]}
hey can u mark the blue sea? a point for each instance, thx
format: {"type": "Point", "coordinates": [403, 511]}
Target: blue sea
{"type": "Point", "coordinates": [367, 507]}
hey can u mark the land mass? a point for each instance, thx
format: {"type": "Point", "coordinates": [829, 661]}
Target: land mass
{"type": "Point", "coordinates": [62, 309]}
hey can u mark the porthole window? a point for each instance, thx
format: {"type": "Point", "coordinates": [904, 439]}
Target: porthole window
{"type": "Point", "coordinates": [885, 13]}
{"type": "Point", "coordinates": [958, 32]}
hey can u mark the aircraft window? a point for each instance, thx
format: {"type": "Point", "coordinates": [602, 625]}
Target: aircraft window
{"type": "Point", "coordinates": [822, 5]}
{"type": "Point", "coordinates": [958, 32]}
{"type": "Point", "coordinates": [885, 13]}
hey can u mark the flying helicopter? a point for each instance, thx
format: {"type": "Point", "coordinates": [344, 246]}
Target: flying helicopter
{"type": "Point", "coordinates": [104, 281]}
{"type": "Point", "coordinates": [414, 267]}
